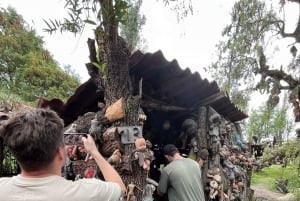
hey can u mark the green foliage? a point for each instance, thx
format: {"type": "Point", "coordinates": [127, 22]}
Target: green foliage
{"type": "Point", "coordinates": [15, 44]}
{"type": "Point", "coordinates": [291, 152]}
{"type": "Point", "coordinates": [47, 82]}
{"type": "Point", "coordinates": [280, 123]}
{"type": "Point", "coordinates": [254, 29]}
{"type": "Point", "coordinates": [259, 122]}
{"type": "Point", "coordinates": [124, 13]}
{"type": "Point", "coordinates": [182, 7]}
{"type": "Point", "coordinates": [9, 164]}
{"type": "Point", "coordinates": [237, 53]}
{"type": "Point", "coordinates": [27, 70]}
{"type": "Point", "coordinates": [90, 12]}
{"type": "Point", "coordinates": [255, 125]}
{"type": "Point", "coordinates": [120, 8]}
{"type": "Point", "coordinates": [11, 100]}
{"type": "Point", "coordinates": [131, 28]}
{"type": "Point", "coordinates": [267, 121]}
{"type": "Point", "coordinates": [75, 22]}
{"type": "Point", "coordinates": [240, 98]}
{"type": "Point", "coordinates": [267, 177]}
{"type": "Point", "coordinates": [294, 177]}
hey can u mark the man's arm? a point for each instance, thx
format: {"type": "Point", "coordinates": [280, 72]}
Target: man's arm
{"type": "Point", "coordinates": [163, 184]}
{"type": "Point", "coordinates": [109, 173]}
{"type": "Point", "coordinates": [160, 193]}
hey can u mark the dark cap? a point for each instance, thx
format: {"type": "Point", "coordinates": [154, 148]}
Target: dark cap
{"type": "Point", "coordinates": [170, 150]}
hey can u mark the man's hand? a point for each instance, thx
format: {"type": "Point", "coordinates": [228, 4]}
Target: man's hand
{"type": "Point", "coordinates": [108, 172]}
{"type": "Point", "coordinates": [89, 144]}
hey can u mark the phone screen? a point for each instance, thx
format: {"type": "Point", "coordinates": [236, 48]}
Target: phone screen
{"type": "Point", "coordinates": [79, 166]}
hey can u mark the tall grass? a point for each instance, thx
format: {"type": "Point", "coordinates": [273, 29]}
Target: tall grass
{"type": "Point", "coordinates": [12, 100]}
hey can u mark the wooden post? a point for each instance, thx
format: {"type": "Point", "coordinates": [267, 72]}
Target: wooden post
{"type": "Point", "coordinates": [201, 137]}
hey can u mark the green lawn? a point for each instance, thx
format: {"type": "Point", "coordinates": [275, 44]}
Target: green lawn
{"type": "Point", "coordinates": [267, 176]}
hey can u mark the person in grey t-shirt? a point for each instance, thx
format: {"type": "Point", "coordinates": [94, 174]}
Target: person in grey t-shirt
{"type": "Point", "coordinates": [35, 137]}
{"type": "Point", "coordinates": [181, 178]}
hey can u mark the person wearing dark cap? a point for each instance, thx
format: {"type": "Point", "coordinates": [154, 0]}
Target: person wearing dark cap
{"type": "Point", "coordinates": [181, 178]}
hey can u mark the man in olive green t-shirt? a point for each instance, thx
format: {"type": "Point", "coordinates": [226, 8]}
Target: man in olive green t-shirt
{"type": "Point", "coordinates": [181, 178]}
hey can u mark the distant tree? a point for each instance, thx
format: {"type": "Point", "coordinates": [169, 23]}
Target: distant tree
{"type": "Point", "coordinates": [71, 71]}
{"type": "Point", "coordinates": [243, 63]}
{"type": "Point", "coordinates": [267, 121]}
{"type": "Point", "coordinates": [279, 123]}
{"type": "Point", "coordinates": [131, 30]}
{"type": "Point", "coordinates": [27, 69]}
{"type": "Point", "coordinates": [254, 126]}
{"type": "Point", "coordinates": [182, 7]}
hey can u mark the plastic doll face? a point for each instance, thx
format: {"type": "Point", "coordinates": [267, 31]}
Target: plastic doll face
{"type": "Point", "coordinates": [140, 144]}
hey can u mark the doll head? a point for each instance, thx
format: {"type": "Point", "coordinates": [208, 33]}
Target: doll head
{"type": "Point", "coordinates": [140, 144]}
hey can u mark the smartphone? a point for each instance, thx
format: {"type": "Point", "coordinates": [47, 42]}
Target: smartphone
{"type": "Point", "coordinates": [81, 166]}
{"type": "Point", "coordinates": [74, 138]}
{"type": "Point", "coordinates": [74, 146]}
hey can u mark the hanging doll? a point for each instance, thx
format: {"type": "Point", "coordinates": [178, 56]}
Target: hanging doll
{"type": "Point", "coordinates": [149, 189]}
{"type": "Point", "coordinates": [143, 154]}
{"type": "Point", "coordinates": [130, 193]}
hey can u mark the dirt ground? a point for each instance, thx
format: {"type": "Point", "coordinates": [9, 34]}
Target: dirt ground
{"type": "Point", "coordinates": [263, 194]}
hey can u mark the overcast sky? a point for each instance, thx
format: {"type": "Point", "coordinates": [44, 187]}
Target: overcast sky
{"type": "Point", "coordinates": [191, 41]}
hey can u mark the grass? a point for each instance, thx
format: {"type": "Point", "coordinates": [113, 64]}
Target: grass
{"type": "Point", "coordinates": [267, 176]}
{"type": "Point", "coordinates": [12, 100]}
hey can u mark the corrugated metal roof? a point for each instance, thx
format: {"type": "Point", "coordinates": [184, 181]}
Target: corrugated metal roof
{"type": "Point", "coordinates": [165, 81]}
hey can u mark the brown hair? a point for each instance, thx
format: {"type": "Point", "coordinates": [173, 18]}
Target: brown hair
{"type": "Point", "coordinates": [33, 137]}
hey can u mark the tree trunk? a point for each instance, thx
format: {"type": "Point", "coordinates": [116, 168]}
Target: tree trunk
{"type": "Point", "coordinates": [1, 156]}
{"type": "Point", "coordinates": [111, 75]}
{"type": "Point", "coordinates": [201, 137]}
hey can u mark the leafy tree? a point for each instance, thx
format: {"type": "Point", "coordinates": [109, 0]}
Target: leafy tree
{"type": "Point", "coordinates": [130, 31]}
{"type": "Point", "coordinates": [280, 123]}
{"type": "Point", "coordinates": [26, 68]}
{"type": "Point", "coordinates": [108, 65]}
{"type": "Point", "coordinates": [243, 63]}
{"type": "Point", "coordinates": [254, 127]}
{"type": "Point", "coordinates": [267, 121]}
{"type": "Point", "coordinates": [258, 124]}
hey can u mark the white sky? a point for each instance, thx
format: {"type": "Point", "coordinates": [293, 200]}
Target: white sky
{"type": "Point", "coordinates": [191, 41]}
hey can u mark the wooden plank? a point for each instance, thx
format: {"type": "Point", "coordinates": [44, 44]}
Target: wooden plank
{"type": "Point", "coordinates": [211, 99]}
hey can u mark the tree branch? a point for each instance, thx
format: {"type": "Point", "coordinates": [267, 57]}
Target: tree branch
{"type": "Point", "coordinates": [275, 74]}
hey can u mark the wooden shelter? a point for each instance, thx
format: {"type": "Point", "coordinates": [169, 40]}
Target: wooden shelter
{"type": "Point", "coordinates": [178, 107]}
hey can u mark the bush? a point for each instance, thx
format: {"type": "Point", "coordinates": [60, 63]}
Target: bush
{"type": "Point", "coordinates": [289, 170]}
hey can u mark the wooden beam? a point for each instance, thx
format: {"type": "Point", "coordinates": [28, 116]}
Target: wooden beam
{"type": "Point", "coordinates": [211, 99]}
{"type": "Point", "coordinates": [161, 106]}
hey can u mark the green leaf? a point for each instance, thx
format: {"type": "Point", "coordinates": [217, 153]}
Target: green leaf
{"type": "Point", "coordinates": [103, 67]}
{"type": "Point", "coordinates": [96, 65]}
{"type": "Point", "coordinates": [90, 22]}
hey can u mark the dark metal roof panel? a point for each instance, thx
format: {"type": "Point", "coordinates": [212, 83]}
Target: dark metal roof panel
{"type": "Point", "coordinates": [165, 81]}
